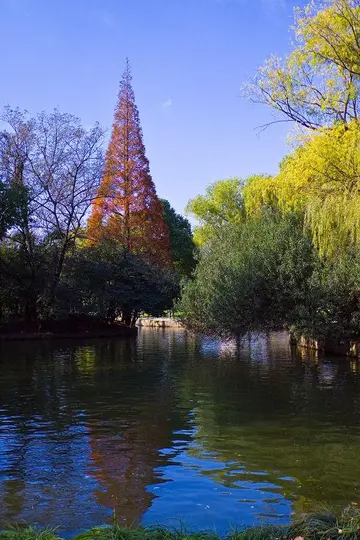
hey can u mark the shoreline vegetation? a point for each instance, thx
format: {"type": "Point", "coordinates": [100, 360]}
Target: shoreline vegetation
{"type": "Point", "coordinates": [283, 250]}
{"type": "Point", "coordinates": [322, 526]}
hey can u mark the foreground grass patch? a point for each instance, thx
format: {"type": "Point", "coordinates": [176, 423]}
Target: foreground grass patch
{"type": "Point", "coordinates": [314, 527]}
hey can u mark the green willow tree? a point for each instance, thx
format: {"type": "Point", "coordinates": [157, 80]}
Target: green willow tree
{"type": "Point", "coordinates": [320, 180]}
{"type": "Point", "coordinates": [318, 88]}
{"type": "Point", "coordinates": [289, 254]}
{"type": "Point", "coordinates": [265, 273]}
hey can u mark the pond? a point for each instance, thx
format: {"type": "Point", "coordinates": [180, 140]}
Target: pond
{"type": "Point", "coordinates": [173, 429]}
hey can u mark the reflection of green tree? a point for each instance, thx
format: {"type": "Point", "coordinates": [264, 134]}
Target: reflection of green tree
{"type": "Point", "coordinates": [33, 382]}
{"type": "Point", "coordinates": [294, 422]}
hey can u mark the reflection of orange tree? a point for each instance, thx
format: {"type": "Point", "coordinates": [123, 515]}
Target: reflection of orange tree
{"type": "Point", "coordinates": [129, 423]}
{"type": "Point", "coordinates": [118, 392]}
{"type": "Point", "coordinates": [124, 468]}
{"type": "Point", "coordinates": [265, 414]}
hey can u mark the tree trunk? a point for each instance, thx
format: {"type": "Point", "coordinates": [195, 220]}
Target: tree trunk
{"type": "Point", "coordinates": [111, 313]}
{"type": "Point", "coordinates": [134, 318]}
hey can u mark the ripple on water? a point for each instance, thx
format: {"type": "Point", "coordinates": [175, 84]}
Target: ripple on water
{"type": "Point", "coordinates": [171, 429]}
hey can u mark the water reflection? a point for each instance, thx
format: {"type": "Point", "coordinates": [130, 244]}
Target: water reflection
{"type": "Point", "coordinates": [171, 427]}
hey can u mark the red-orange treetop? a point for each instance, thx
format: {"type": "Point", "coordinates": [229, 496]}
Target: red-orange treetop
{"type": "Point", "coordinates": [127, 209]}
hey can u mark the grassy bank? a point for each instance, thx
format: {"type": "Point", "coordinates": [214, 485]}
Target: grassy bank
{"type": "Point", "coordinates": [314, 527]}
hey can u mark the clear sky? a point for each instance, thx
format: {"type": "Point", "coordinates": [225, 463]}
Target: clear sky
{"type": "Point", "coordinates": [189, 60]}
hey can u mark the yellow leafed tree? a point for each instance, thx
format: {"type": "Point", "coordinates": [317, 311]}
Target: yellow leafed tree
{"type": "Point", "coordinates": [221, 204]}
{"type": "Point", "coordinates": [322, 179]}
{"type": "Point", "coordinates": [318, 88]}
{"type": "Point", "coordinates": [319, 83]}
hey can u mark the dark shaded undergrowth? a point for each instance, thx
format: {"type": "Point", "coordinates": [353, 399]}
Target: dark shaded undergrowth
{"type": "Point", "coordinates": [314, 527]}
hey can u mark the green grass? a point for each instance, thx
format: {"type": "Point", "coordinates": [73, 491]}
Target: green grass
{"type": "Point", "coordinates": [324, 526]}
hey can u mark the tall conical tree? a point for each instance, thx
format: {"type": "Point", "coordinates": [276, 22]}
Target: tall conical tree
{"type": "Point", "coordinates": [127, 209]}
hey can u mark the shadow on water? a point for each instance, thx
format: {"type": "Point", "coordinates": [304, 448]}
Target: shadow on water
{"type": "Point", "coordinates": [170, 427]}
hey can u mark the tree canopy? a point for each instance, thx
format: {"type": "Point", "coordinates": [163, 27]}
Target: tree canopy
{"type": "Point", "coordinates": [222, 203]}
{"type": "Point", "coordinates": [248, 278]}
{"type": "Point", "coordinates": [284, 250]}
{"type": "Point", "coordinates": [55, 261]}
{"type": "Point", "coordinates": [181, 240]}
{"type": "Point", "coordinates": [318, 84]}
{"type": "Point", "coordinates": [321, 180]}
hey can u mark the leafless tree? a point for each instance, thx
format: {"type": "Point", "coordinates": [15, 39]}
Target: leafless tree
{"type": "Point", "coordinates": [59, 164]}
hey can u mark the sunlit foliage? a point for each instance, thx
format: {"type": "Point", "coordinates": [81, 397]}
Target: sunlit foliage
{"type": "Point", "coordinates": [222, 204]}
{"type": "Point", "coordinates": [52, 173]}
{"type": "Point", "coordinates": [322, 180]}
{"type": "Point", "coordinates": [319, 82]}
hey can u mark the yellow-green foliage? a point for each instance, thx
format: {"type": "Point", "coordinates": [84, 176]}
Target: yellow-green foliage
{"type": "Point", "coordinates": [318, 87]}
{"type": "Point", "coordinates": [328, 33]}
{"type": "Point", "coordinates": [222, 204]}
{"type": "Point", "coordinates": [322, 179]}
{"type": "Point", "coordinates": [319, 82]}
{"type": "Point", "coordinates": [260, 193]}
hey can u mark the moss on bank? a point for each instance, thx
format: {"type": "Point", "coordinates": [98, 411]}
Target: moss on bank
{"type": "Point", "coordinates": [314, 527]}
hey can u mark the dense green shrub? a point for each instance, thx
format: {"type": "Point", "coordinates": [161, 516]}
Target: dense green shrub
{"type": "Point", "coordinates": [250, 277]}
{"type": "Point", "coordinates": [266, 274]}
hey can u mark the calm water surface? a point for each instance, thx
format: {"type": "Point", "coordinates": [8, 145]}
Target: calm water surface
{"type": "Point", "coordinates": [170, 429]}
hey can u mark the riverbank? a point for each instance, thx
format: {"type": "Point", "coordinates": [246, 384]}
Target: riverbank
{"type": "Point", "coordinates": [325, 526]}
{"type": "Point", "coordinates": [73, 327]}
{"type": "Point", "coordinates": [345, 348]}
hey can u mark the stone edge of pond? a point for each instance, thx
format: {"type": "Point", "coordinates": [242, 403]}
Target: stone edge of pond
{"type": "Point", "coordinates": [322, 526]}
{"type": "Point", "coordinates": [349, 348]}
{"type": "Point", "coordinates": [159, 322]}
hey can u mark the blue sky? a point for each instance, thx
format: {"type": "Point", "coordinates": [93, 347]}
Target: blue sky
{"type": "Point", "coordinates": [189, 60]}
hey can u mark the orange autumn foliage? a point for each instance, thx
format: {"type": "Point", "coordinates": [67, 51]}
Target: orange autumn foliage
{"type": "Point", "coordinates": [127, 209]}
